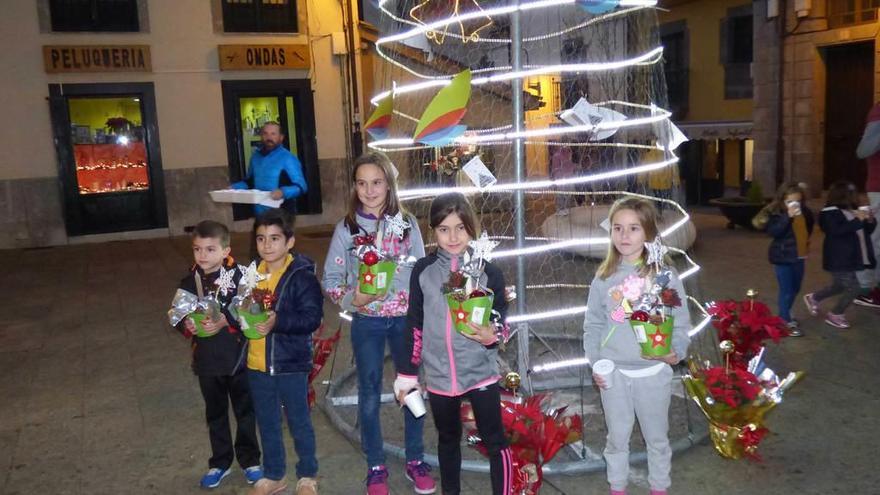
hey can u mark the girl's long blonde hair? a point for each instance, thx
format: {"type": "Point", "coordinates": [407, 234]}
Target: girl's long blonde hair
{"type": "Point", "coordinates": [647, 215]}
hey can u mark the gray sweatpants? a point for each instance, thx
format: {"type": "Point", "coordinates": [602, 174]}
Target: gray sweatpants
{"type": "Point", "coordinates": [648, 400]}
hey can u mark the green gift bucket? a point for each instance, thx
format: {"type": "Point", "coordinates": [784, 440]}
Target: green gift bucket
{"type": "Point", "coordinates": [197, 319]}
{"type": "Point", "coordinates": [376, 279]}
{"type": "Point", "coordinates": [655, 340]}
{"type": "Point", "coordinates": [475, 309]}
{"type": "Point", "coordinates": [249, 320]}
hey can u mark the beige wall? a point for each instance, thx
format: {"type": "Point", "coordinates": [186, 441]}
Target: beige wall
{"type": "Point", "coordinates": [183, 44]}
{"type": "Point", "coordinates": [706, 88]}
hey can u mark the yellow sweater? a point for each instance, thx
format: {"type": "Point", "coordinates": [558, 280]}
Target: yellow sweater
{"type": "Point", "coordinates": [256, 359]}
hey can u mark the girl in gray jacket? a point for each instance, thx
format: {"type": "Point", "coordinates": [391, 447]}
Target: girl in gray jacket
{"type": "Point", "coordinates": [377, 320]}
{"type": "Point", "coordinates": [641, 386]}
{"type": "Point", "coordinates": [458, 365]}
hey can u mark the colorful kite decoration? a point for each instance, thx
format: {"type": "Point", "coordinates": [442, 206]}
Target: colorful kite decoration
{"type": "Point", "coordinates": [377, 125]}
{"type": "Point", "coordinates": [597, 7]}
{"type": "Point", "coordinates": [439, 124]}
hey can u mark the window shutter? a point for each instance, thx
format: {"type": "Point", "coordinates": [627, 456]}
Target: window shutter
{"type": "Point", "coordinates": [724, 41]}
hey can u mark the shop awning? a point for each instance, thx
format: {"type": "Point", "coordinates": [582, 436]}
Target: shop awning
{"type": "Point", "coordinates": [717, 129]}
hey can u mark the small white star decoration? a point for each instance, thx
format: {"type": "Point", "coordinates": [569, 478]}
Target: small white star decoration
{"type": "Point", "coordinates": [656, 251]}
{"type": "Point", "coordinates": [250, 276]}
{"type": "Point", "coordinates": [225, 282]}
{"type": "Point", "coordinates": [483, 247]}
{"type": "Point", "coordinates": [396, 225]}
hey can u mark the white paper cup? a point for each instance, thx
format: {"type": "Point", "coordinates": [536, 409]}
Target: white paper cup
{"type": "Point", "coordinates": [605, 369]}
{"type": "Point", "coordinates": [415, 403]}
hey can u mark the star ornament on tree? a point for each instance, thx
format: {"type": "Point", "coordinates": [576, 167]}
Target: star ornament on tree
{"type": "Point", "coordinates": [225, 282]}
{"type": "Point", "coordinates": [483, 247]}
{"type": "Point", "coordinates": [430, 11]}
{"type": "Point", "coordinates": [658, 339]}
{"type": "Point", "coordinates": [656, 251]}
{"type": "Point", "coordinates": [250, 276]}
{"type": "Point", "coordinates": [396, 225]}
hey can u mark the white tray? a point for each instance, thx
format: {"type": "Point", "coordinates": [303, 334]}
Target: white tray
{"type": "Point", "coordinates": [246, 196]}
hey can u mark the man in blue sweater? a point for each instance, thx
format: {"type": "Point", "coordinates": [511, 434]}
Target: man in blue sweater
{"type": "Point", "coordinates": [267, 165]}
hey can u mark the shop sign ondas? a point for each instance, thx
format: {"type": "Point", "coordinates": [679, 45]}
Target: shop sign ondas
{"type": "Point", "coordinates": [263, 57]}
{"type": "Point", "coordinates": [97, 58]}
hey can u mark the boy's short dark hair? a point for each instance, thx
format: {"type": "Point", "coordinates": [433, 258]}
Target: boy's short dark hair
{"type": "Point", "coordinates": [276, 216]}
{"type": "Point", "coordinates": [209, 229]}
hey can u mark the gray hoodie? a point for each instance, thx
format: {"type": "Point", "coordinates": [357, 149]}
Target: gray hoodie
{"type": "Point", "coordinates": [340, 276]}
{"type": "Point", "coordinates": [454, 364]}
{"type": "Point", "coordinates": [607, 333]}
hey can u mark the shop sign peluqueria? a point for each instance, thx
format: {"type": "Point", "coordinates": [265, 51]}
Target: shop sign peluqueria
{"type": "Point", "coordinates": [96, 58]}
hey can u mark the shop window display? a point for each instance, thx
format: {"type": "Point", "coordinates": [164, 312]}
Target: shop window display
{"type": "Point", "coordinates": [109, 148]}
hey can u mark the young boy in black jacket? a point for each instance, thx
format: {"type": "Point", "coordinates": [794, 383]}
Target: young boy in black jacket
{"type": "Point", "coordinates": [280, 362]}
{"type": "Point", "coordinates": [218, 359]}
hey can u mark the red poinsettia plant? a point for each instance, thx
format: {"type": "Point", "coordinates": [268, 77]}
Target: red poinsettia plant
{"type": "Point", "coordinates": [536, 432]}
{"type": "Point", "coordinates": [322, 348]}
{"type": "Point", "coordinates": [735, 387]}
{"type": "Point", "coordinates": [748, 324]}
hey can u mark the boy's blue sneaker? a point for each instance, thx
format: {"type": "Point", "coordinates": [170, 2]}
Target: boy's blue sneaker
{"type": "Point", "coordinates": [253, 474]}
{"type": "Point", "coordinates": [213, 477]}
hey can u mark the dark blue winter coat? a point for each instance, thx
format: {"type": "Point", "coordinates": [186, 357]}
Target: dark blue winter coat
{"type": "Point", "coordinates": [841, 251]}
{"type": "Point", "coordinates": [783, 247]}
{"type": "Point", "coordinates": [299, 309]}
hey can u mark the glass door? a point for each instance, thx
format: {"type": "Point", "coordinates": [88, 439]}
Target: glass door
{"type": "Point", "coordinates": [248, 105]}
{"type": "Point", "coordinates": [256, 111]}
{"type": "Point", "coordinates": [109, 161]}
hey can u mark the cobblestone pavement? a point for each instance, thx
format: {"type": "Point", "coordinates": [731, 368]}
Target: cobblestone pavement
{"type": "Point", "coordinates": [98, 396]}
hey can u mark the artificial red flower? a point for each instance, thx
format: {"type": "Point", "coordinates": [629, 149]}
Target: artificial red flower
{"type": "Point", "coordinates": [321, 350]}
{"type": "Point", "coordinates": [535, 433]}
{"type": "Point", "coordinates": [750, 437]}
{"type": "Point", "coordinates": [457, 280]}
{"type": "Point", "coordinates": [669, 297]}
{"type": "Point", "coordinates": [363, 240]}
{"type": "Point", "coordinates": [371, 258]}
{"type": "Point", "coordinates": [735, 387]}
{"type": "Point", "coordinates": [639, 316]}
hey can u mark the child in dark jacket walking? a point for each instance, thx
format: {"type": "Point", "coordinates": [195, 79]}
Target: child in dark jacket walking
{"type": "Point", "coordinates": [790, 224]}
{"type": "Point", "coordinates": [846, 250]}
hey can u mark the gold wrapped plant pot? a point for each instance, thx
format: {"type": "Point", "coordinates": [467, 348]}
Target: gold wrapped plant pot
{"type": "Point", "coordinates": [728, 440]}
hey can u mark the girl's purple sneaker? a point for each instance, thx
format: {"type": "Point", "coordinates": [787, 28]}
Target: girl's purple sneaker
{"type": "Point", "coordinates": [377, 481]}
{"type": "Point", "coordinates": [420, 474]}
{"type": "Point", "coordinates": [838, 321]}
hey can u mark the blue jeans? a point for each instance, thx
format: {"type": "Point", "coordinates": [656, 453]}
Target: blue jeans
{"type": "Point", "coordinates": [789, 276]}
{"type": "Point", "coordinates": [269, 393]}
{"type": "Point", "coordinates": [368, 336]}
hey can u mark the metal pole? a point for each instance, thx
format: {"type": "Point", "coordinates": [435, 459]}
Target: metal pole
{"type": "Point", "coordinates": [516, 88]}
